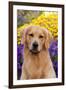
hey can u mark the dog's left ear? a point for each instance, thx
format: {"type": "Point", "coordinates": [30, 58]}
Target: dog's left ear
{"type": "Point", "coordinates": [48, 39]}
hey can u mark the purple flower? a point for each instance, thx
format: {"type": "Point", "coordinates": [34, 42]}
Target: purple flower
{"type": "Point", "coordinates": [18, 65]}
{"type": "Point", "coordinates": [53, 48]}
{"type": "Point", "coordinates": [20, 49]}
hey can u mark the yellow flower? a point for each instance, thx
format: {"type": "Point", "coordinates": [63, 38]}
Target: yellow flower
{"type": "Point", "coordinates": [18, 42]}
{"type": "Point", "coordinates": [47, 20]}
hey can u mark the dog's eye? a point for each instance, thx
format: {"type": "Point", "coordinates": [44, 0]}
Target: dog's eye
{"type": "Point", "coordinates": [40, 36]}
{"type": "Point", "coordinates": [31, 35]}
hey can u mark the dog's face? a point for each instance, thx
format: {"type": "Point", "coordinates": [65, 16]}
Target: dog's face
{"type": "Point", "coordinates": [36, 38]}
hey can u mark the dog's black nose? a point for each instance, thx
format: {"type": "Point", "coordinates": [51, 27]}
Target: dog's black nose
{"type": "Point", "coordinates": [35, 45]}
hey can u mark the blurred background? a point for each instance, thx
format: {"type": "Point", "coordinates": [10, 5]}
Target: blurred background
{"type": "Point", "coordinates": [44, 19]}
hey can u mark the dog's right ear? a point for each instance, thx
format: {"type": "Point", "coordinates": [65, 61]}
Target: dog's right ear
{"type": "Point", "coordinates": [24, 34]}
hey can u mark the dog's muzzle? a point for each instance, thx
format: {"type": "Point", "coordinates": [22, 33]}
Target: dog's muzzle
{"type": "Point", "coordinates": [34, 48]}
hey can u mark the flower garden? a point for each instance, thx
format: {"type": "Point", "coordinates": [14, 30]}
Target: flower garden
{"type": "Point", "coordinates": [47, 20]}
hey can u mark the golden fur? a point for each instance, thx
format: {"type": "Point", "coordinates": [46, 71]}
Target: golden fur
{"type": "Point", "coordinates": [36, 65]}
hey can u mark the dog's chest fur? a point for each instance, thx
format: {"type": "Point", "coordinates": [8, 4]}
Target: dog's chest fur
{"type": "Point", "coordinates": [35, 65]}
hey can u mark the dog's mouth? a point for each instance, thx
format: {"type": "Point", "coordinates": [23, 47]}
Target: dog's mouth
{"type": "Point", "coordinates": [34, 51]}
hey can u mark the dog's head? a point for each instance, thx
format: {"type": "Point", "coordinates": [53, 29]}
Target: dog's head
{"type": "Point", "coordinates": [36, 38]}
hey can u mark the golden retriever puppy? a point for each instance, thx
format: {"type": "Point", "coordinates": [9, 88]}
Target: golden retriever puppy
{"type": "Point", "coordinates": [37, 62]}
